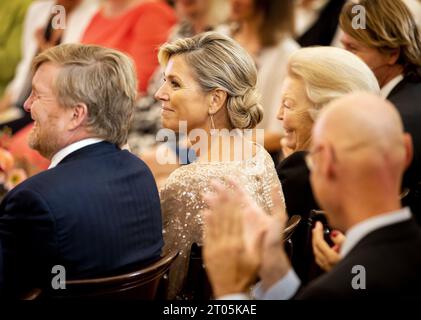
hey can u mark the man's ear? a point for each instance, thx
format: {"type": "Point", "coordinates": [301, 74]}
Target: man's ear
{"type": "Point", "coordinates": [393, 56]}
{"type": "Point", "coordinates": [218, 99]}
{"type": "Point", "coordinates": [327, 163]}
{"type": "Point", "coordinates": [409, 149]}
{"type": "Point", "coordinates": [79, 114]}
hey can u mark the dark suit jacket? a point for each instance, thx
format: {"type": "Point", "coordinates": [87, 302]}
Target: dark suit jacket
{"type": "Point", "coordinates": [96, 213]}
{"type": "Point", "coordinates": [392, 261]}
{"type": "Point", "coordinates": [321, 33]}
{"type": "Point", "coordinates": [406, 96]}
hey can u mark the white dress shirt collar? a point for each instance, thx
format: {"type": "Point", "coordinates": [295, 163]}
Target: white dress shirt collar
{"type": "Point", "coordinates": [71, 148]}
{"type": "Point", "coordinates": [387, 89]}
{"type": "Point", "coordinates": [360, 230]}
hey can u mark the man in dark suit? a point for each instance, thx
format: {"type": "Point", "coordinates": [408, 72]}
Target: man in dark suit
{"type": "Point", "coordinates": [390, 45]}
{"type": "Point", "coordinates": [358, 156]}
{"type": "Point", "coordinates": [96, 210]}
{"type": "Point", "coordinates": [406, 96]}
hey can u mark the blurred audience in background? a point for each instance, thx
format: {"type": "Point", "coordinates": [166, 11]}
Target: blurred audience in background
{"type": "Point", "coordinates": [12, 14]}
{"type": "Point", "coordinates": [317, 21]}
{"type": "Point", "coordinates": [264, 28]}
{"type": "Point", "coordinates": [135, 27]}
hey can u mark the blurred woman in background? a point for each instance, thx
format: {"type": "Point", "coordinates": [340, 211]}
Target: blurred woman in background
{"type": "Point", "coordinates": [135, 27]}
{"type": "Point", "coordinates": [264, 28]}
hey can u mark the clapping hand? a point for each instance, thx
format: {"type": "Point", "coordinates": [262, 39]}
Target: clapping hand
{"type": "Point", "coordinates": [241, 239]}
{"type": "Point", "coordinates": [232, 243]}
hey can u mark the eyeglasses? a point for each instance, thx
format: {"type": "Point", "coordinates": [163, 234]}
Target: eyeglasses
{"type": "Point", "coordinates": [309, 156]}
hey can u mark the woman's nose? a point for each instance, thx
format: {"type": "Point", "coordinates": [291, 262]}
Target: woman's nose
{"type": "Point", "coordinates": [161, 94]}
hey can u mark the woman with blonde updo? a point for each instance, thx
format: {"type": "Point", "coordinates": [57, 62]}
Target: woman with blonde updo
{"type": "Point", "coordinates": [209, 89]}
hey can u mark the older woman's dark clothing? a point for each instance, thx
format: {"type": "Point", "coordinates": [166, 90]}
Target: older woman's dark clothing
{"type": "Point", "coordinates": [295, 179]}
{"type": "Point", "coordinates": [299, 200]}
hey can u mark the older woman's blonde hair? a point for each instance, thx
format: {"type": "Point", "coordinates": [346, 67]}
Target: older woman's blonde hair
{"type": "Point", "coordinates": [329, 73]}
{"type": "Point", "coordinates": [218, 62]}
{"type": "Point", "coordinates": [103, 79]}
{"type": "Point", "coordinates": [389, 26]}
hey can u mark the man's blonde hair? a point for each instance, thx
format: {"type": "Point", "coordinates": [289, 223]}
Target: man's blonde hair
{"type": "Point", "coordinates": [389, 26]}
{"type": "Point", "coordinates": [103, 79]}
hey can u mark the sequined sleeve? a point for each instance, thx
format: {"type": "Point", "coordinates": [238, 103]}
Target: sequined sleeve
{"type": "Point", "coordinates": [181, 204]}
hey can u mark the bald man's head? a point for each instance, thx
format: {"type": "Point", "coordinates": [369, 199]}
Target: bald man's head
{"type": "Point", "coordinates": [363, 150]}
{"type": "Point", "coordinates": [361, 119]}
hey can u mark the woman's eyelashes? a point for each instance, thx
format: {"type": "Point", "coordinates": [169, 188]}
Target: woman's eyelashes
{"type": "Point", "coordinates": [175, 84]}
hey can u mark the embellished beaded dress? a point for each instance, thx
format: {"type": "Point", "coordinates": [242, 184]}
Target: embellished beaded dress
{"type": "Point", "coordinates": [181, 202]}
